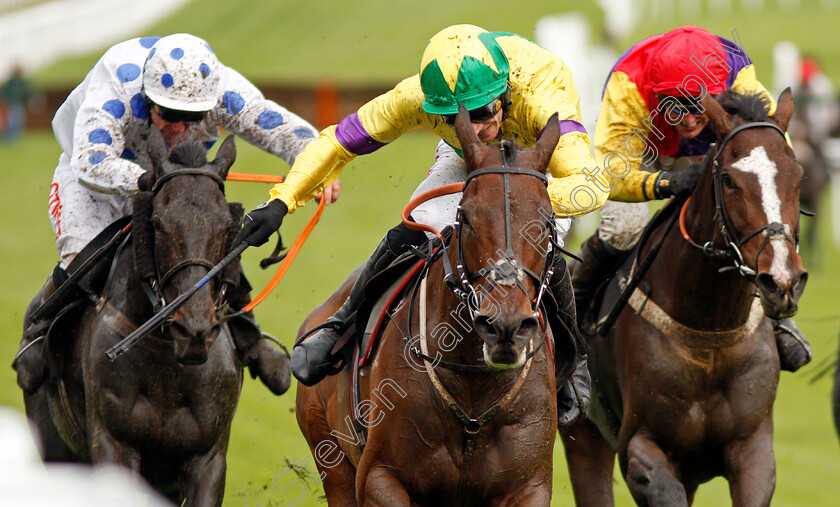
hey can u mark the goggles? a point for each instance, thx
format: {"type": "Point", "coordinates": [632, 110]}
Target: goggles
{"type": "Point", "coordinates": [482, 114]}
{"type": "Point", "coordinates": [682, 105]}
{"type": "Point", "coordinates": [176, 116]}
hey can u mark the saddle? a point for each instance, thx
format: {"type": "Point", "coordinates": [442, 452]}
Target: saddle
{"type": "Point", "coordinates": [73, 297]}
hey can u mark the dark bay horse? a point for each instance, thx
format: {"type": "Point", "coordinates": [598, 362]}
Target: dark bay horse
{"type": "Point", "coordinates": [437, 435]}
{"type": "Point", "coordinates": [684, 383]}
{"type": "Point", "coordinates": [164, 408]}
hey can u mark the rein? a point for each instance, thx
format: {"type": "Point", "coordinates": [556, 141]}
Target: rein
{"type": "Point", "coordinates": [732, 250]}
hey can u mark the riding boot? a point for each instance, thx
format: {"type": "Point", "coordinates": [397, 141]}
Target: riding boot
{"type": "Point", "coordinates": [600, 261]}
{"type": "Point", "coordinates": [263, 359]}
{"type": "Point", "coordinates": [30, 363]}
{"type": "Point", "coordinates": [794, 349]}
{"type": "Point", "coordinates": [314, 358]}
{"type": "Point", "coordinates": [573, 395]}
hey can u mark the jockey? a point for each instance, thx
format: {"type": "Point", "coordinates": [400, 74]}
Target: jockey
{"type": "Point", "coordinates": [176, 84]}
{"type": "Point", "coordinates": [663, 73]}
{"type": "Point", "coordinates": [511, 87]}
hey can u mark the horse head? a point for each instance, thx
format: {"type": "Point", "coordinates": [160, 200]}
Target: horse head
{"type": "Point", "coordinates": [504, 196]}
{"type": "Point", "coordinates": [192, 223]}
{"type": "Point", "coordinates": [755, 179]}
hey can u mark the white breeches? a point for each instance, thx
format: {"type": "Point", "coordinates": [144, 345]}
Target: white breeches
{"type": "Point", "coordinates": [440, 211]}
{"type": "Point", "coordinates": [78, 213]}
{"type": "Point", "coordinates": [622, 223]}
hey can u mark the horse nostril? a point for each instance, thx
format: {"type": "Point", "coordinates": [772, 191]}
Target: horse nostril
{"type": "Point", "coordinates": [484, 325]}
{"type": "Point", "coordinates": [527, 327]}
{"type": "Point", "coordinates": [766, 283]}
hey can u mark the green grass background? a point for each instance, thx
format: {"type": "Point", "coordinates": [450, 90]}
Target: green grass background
{"type": "Point", "coordinates": [381, 41]}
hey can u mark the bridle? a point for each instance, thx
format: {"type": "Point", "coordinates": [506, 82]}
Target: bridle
{"type": "Point", "coordinates": [732, 250]}
{"type": "Point", "coordinates": [507, 271]}
{"type": "Point", "coordinates": [153, 287]}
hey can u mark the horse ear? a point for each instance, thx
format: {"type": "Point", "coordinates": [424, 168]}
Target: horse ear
{"type": "Point", "coordinates": [719, 119]}
{"type": "Point", "coordinates": [225, 156]}
{"type": "Point", "coordinates": [471, 145]}
{"type": "Point", "coordinates": [156, 147]}
{"type": "Point", "coordinates": [547, 142]}
{"type": "Point", "coordinates": [784, 109]}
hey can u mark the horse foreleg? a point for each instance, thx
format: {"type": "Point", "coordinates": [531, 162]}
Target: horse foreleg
{"type": "Point", "coordinates": [202, 479]}
{"type": "Point", "coordinates": [651, 478]}
{"type": "Point", "coordinates": [751, 467]}
{"type": "Point", "coordinates": [105, 448]}
{"type": "Point", "coordinates": [380, 487]}
{"type": "Point", "coordinates": [591, 460]}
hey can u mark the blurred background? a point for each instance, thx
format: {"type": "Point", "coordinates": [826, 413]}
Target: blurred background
{"type": "Point", "coordinates": [324, 59]}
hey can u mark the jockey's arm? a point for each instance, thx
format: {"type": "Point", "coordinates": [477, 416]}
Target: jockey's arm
{"type": "Point", "coordinates": [620, 141]}
{"type": "Point", "coordinates": [99, 158]}
{"type": "Point", "coordinates": [375, 124]}
{"type": "Point", "coordinates": [259, 121]}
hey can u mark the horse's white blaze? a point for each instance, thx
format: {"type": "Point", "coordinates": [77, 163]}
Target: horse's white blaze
{"type": "Point", "coordinates": [758, 163]}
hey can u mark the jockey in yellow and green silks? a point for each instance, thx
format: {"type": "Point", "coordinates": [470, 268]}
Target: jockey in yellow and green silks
{"type": "Point", "coordinates": [511, 88]}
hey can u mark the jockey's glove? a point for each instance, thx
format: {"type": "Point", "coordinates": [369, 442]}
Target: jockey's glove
{"type": "Point", "coordinates": [261, 222]}
{"type": "Point", "coordinates": [681, 184]}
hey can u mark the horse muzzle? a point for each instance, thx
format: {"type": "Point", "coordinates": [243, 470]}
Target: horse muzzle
{"type": "Point", "coordinates": [780, 294]}
{"type": "Point", "coordinates": [192, 343]}
{"type": "Point", "coordinates": [506, 340]}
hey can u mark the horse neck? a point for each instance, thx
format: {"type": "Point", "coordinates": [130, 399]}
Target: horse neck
{"type": "Point", "coordinates": [124, 289]}
{"type": "Point", "coordinates": [687, 283]}
{"type": "Point", "coordinates": [448, 319]}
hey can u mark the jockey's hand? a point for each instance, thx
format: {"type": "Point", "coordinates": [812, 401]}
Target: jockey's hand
{"type": "Point", "coordinates": [330, 192]}
{"type": "Point", "coordinates": [261, 222]}
{"type": "Point", "coordinates": [679, 184]}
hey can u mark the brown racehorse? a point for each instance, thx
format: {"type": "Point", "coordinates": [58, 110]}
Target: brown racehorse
{"type": "Point", "coordinates": [438, 436]}
{"type": "Point", "coordinates": [684, 384]}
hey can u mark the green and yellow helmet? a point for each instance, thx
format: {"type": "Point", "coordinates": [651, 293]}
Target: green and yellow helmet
{"type": "Point", "coordinates": [462, 63]}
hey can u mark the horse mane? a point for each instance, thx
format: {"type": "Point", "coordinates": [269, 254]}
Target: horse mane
{"type": "Point", "coordinates": [751, 106]}
{"type": "Point", "coordinates": [189, 154]}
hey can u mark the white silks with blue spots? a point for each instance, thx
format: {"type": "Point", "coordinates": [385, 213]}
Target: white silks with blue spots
{"type": "Point", "coordinates": [103, 125]}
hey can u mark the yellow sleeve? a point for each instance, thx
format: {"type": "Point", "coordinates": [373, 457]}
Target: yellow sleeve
{"type": "Point", "coordinates": [317, 165]}
{"type": "Point", "coordinates": [375, 124]}
{"type": "Point", "coordinates": [620, 140]}
{"type": "Point", "coordinates": [541, 84]}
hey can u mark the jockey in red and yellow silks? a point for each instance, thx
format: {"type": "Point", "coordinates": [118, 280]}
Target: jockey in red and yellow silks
{"type": "Point", "coordinates": [674, 64]}
{"type": "Point", "coordinates": [651, 119]}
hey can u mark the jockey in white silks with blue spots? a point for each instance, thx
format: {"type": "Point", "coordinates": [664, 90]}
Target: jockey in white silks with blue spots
{"type": "Point", "coordinates": [174, 83]}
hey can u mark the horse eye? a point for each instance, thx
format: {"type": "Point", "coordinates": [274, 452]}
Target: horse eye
{"type": "Point", "coordinates": [155, 222]}
{"type": "Point", "coordinates": [727, 181]}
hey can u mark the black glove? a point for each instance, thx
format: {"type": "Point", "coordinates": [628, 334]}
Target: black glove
{"type": "Point", "coordinates": [261, 222]}
{"type": "Point", "coordinates": [145, 181]}
{"type": "Point", "coordinates": [679, 184]}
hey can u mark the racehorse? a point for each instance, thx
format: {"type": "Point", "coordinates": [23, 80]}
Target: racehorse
{"type": "Point", "coordinates": [684, 383]}
{"type": "Point", "coordinates": [164, 408]}
{"type": "Point", "coordinates": [443, 426]}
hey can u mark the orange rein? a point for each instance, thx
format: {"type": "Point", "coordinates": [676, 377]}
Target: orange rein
{"type": "Point", "coordinates": [682, 222]}
{"type": "Point", "coordinates": [301, 239]}
{"type": "Point", "coordinates": [452, 188]}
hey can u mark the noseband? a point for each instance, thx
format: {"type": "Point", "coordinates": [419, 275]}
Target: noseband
{"type": "Point", "coordinates": [732, 250]}
{"type": "Point", "coordinates": [507, 271]}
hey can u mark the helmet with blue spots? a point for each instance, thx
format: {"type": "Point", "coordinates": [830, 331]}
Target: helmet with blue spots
{"type": "Point", "coordinates": [182, 73]}
{"type": "Point", "coordinates": [462, 63]}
